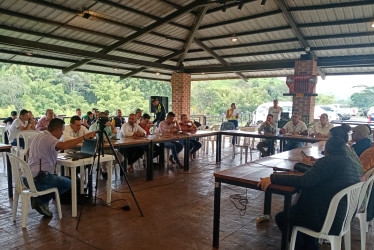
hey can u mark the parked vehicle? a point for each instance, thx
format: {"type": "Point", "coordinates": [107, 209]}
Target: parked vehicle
{"type": "Point", "coordinates": [259, 115]}
{"type": "Point", "coordinates": [370, 114]}
{"type": "Point", "coordinates": [341, 112]}
{"type": "Point", "coordinates": [318, 111]}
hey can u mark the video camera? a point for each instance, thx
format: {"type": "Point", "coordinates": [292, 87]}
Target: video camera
{"type": "Point", "coordinates": [102, 122]}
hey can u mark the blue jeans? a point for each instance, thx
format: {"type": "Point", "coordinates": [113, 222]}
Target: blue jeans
{"type": "Point", "coordinates": [194, 145]}
{"type": "Point", "coordinates": [292, 145]}
{"type": "Point", "coordinates": [21, 143]}
{"type": "Point", "coordinates": [236, 123]}
{"type": "Point", "coordinates": [175, 148]}
{"type": "Point", "coordinates": [63, 185]}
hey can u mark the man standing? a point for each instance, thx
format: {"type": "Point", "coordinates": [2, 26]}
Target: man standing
{"type": "Point", "coordinates": [294, 127]}
{"type": "Point", "coordinates": [322, 127]}
{"type": "Point", "coordinates": [44, 121]}
{"type": "Point", "coordinates": [132, 129]}
{"type": "Point", "coordinates": [9, 120]}
{"type": "Point", "coordinates": [75, 129]}
{"type": "Point", "coordinates": [169, 127]}
{"type": "Point", "coordinates": [78, 112]}
{"type": "Point", "coordinates": [43, 153]}
{"type": "Point", "coordinates": [188, 126]}
{"type": "Point", "coordinates": [269, 128]}
{"type": "Point", "coordinates": [160, 112]}
{"type": "Point", "coordinates": [118, 121]}
{"type": "Point", "coordinates": [275, 111]}
{"type": "Point", "coordinates": [20, 124]}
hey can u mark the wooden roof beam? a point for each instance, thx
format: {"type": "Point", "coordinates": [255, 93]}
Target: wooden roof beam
{"type": "Point", "coordinates": [304, 43]}
{"type": "Point", "coordinates": [144, 31]}
{"type": "Point", "coordinates": [218, 58]}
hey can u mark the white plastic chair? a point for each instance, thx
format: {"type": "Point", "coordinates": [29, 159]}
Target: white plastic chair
{"type": "Point", "coordinates": [18, 167]}
{"type": "Point", "coordinates": [352, 192]}
{"type": "Point", "coordinates": [27, 136]}
{"type": "Point", "coordinates": [244, 143]}
{"type": "Point", "coordinates": [362, 206]}
{"type": "Point", "coordinates": [212, 139]}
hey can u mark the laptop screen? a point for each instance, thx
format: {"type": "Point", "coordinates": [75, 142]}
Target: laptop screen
{"type": "Point", "coordinates": [89, 146]}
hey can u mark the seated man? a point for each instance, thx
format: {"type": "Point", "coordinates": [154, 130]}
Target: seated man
{"type": "Point", "coordinates": [9, 120]}
{"type": "Point", "coordinates": [294, 127]}
{"type": "Point", "coordinates": [327, 177]}
{"type": "Point", "coordinates": [75, 129]}
{"type": "Point", "coordinates": [44, 121]}
{"type": "Point", "coordinates": [144, 124]}
{"type": "Point", "coordinates": [131, 129]}
{"type": "Point", "coordinates": [111, 131]}
{"type": "Point", "coordinates": [269, 128]}
{"type": "Point", "coordinates": [43, 153]}
{"type": "Point", "coordinates": [138, 115]}
{"type": "Point", "coordinates": [322, 127]}
{"type": "Point", "coordinates": [367, 160]}
{"type": "Point", "coordinates": [20, 124]}
{"type": "Point", "coordinates": [88, 119]}
{"type": "Point", "coordinates": [78, 112]}
{"type": "Point", "coordinates": [118, 121]}
{"type": "Point", "coordinates": [169, 127]}
{"type": "Point", "coordinates": [360, 138]}
{"type": "Point", "coordinates": [188, 126]}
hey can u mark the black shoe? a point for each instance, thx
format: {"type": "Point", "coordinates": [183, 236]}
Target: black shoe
{"type": "Point", "coordinates": [105, 175]}
{"type": "Point", "coordinates": [180, 165]}
{"type": "Point", "coordinates": [40, 207]}
{"type": "Point", "coordinates": [171, 159]}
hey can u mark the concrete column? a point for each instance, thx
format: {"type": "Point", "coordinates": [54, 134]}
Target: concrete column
{"type": "Point", "coordinates": [181, 94]}
{"type": "Point", "coordinates": [305, 105]}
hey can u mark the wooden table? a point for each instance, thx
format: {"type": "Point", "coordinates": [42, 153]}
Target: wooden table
{"type": "Point", "coordinates": [248, 176]}
{"type": "Point", "coordinates": [7, 148]}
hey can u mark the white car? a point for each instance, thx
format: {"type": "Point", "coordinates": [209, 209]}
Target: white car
{"type": "Point", "coordinates": [318, 111]}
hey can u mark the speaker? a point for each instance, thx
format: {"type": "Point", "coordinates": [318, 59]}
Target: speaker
{"type": "Point", "coordinates": [164, 100]}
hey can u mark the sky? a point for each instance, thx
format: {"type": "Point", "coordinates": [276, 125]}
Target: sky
{"type": "Point", "coordinates": [342, 87]}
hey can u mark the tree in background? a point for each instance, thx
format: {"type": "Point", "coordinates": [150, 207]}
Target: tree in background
{"type": "Point", "coordinates": [363, 99]}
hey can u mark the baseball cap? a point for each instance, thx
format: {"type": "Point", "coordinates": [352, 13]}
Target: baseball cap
{"type": "Point", "coordinates": [107, 112]}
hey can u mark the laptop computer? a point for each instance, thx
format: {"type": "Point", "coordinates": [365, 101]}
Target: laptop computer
{"type": "Point", "coordinates": [88, 149]}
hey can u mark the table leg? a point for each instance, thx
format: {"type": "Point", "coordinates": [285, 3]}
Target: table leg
{"type": "Point", "coordinates": [162, 155]}
{"type": "Point", "coordinates": [150, 162]}
{"type": "Point", "coordinates": [10, 177]}
{"type": "Point", "coordinates": [267, 203]}
{"type": "Point", "coordinates": [73, 191]}
{"type": "Point", "coordinates": [217, 208]}
{"type": "Point", "coordinates": [218, 148]}
{"type": "Point", "coordinates": [187, 154]}
{"type": "Point", "coordinates": [82, 179]}
{"type": "Point", "coordinates": [287, 217]}
{"type": "Point", "coordinates": [109, 183]}
{"type": "Point", "coordinates": [281, 145]}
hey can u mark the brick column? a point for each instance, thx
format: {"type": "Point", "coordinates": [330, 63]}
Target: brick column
{"type": "Point", "coordinates": [181, 94]}
{"type": "Point", "coordinates": [305, 105]}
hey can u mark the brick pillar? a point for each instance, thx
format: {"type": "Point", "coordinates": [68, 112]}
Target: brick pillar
{"type": "Point", "coordinates": [305, 105]}
{"type": "Point", "coordinates": [181, 94]}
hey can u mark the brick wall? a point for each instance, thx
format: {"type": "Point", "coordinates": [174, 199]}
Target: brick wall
{"type": "Point", "coordinates": [305, 105]}
{"type": "Point", "coordinates": [181, 94]}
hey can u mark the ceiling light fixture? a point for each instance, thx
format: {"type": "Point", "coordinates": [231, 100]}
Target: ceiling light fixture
{"type": "Point", "coordinates": [28, 53]}
{"type": "Point", "coordinates": [234, 38]}
{"type": "Point", "coordinates": [263, 2]}
{"type": "Point", "coordinates": [158, 73]}
{"type": "Point", "coordinates": [372, 24]}
{"type": "Point", "coordinates": [115, 68]}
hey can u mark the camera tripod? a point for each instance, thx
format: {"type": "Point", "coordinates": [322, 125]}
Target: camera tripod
{"type": "Point", "coordinates": [100, 152]}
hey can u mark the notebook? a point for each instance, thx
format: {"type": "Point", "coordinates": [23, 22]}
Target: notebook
{"type": "Point", "coordinates": [88, 149]}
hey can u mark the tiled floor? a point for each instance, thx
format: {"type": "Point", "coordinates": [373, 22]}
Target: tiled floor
{"type": "Point", "coordinates": [178, 214]}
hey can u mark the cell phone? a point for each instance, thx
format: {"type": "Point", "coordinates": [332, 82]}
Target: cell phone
{"type": "Point", "coordinates": [303, 153]}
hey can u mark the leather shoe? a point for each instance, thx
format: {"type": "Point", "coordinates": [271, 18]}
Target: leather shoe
{"type": "Point", "coordinates": [40, 207]}
{"type": "Point", "coordinates": [171, 159]}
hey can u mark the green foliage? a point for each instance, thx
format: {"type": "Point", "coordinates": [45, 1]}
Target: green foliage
{"type": "Point", "coordinates": [363, 99]}
{"type": "Point", "coordinates": [322, 99]}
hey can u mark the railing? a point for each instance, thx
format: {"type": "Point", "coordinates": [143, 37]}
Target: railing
{"type": "Point", "coordinates": [211, 120]}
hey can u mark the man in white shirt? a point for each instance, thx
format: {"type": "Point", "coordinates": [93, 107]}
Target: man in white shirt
{"type": "Point", "coordinates": [132, 129]}
{"type": "Point", "coordinates": [275, 111]}
{"type": "Point", "coordinates": [138, 114]}
{"type": "Point", "coordinates": [18, 125]}
{"type": "Point", "coordinates": [294, 127]}
{"type": "Point", "coordinates": [75, 129]}
{"type": "Point", "coordinates": [322, 127]}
